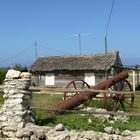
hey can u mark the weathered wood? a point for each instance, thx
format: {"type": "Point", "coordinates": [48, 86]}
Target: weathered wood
{"type": "Point", "coordinates": [135, 114]}
{"type": "Point", "coordinates": [61, 90]}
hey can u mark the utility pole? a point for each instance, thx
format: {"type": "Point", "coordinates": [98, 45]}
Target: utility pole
{"type": "Point", "coordinates": [79, 42]}
{"type": "Point", "coordinates": [106, 74]}
{"type": "Point", "coordinates": [36, 51]}
{"type": "Point", "coordinates": [36, 56]}
{"type": "Point", "coordinates": [106, 45]}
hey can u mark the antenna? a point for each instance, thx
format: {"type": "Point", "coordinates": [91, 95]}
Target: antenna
{"type": "Point", "coordinates": [79, 39]}
{"type": "Point", "coordinates": [36, 56]}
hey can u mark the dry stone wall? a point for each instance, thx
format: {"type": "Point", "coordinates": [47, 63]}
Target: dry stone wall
{"type": "Point", "coordinates": [17, 117]}
{"type": "Point", "coordinates": [16, 111]}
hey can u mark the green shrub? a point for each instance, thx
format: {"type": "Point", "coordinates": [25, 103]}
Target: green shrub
{"type": "Point", "coordinates": [138, 87]}
{"type": "Point", "coordinates": [3, 72]}
{"type": "Point", "coordinates": [21, 68]}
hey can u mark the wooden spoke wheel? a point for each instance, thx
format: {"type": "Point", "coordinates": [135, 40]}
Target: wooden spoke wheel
{"type": "Point", "coordinates": [76, 84]}
{"type": "Point", "coordinates": [121, 101]}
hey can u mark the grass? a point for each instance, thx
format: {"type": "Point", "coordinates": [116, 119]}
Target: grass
{"type": "Point", "coordinates": [43, 101]}
{"type": "Point", "coordinates": [75, 121]}
{"type": "Point", "coordinates": [79, 122]}
{"type": "Point", "coordinates": [1, 98]}
{"type": "Point", "coordinates": [133, 124]}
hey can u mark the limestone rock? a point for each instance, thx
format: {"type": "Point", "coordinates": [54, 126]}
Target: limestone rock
{"type": "Point", "coordinates": [58, 135]}
{"type": "Point", "coordinates": [3, 118]}
{"type": "Point", "coordinates": [109, 130]}
{"type": "Point", "coordinates": [105, 136]}
{"type": "Point", "coordinates": [117, 131]}
{"type": "Point", "coordinates": [89, 135]}
{"type": "Point", "coordinates": [13, 74]}
{"type": "Point", "coordinates": [11, 139]}
{"type": "Point", "coordinates": [126, 133]}
{"type": "Point", "coordinates": [115, 137]}
{"type": "Point", "coordinates": [24, 133]}
{"type": "Point", "coordinates": [25, 75]}
{"type": "Point", "coordinates": [21, 125]}
{"type": "Point", "coordinates": [136, 133]}
{"type": "Point", "coordinates": [9, 134]}
{"type": "Point", "coordinates": [89, 121]}
{"type": "Point", "coordinates": [59, 127]}
{"type": "Point", "coordinates": [41, 136]}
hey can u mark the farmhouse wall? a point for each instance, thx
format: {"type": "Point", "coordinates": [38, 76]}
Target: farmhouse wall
{"type": "Point", "coordinates": [61, 79]}
{"type": "Point", "coordinates": [64, 77]}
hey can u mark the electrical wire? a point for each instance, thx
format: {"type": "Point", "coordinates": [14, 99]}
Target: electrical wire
{"type": "Point", "coordinates": [106, 34]}
{"type": "Point", "coordinates": [54, 50]}
{"type": "Point", "coordinates": [16, 55]}
{"type": "Point", "coordinates": [109, 18]}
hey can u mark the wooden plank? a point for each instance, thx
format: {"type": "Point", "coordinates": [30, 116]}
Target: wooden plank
{"type": "Point", "coordinates": [134, 114]}
{"type": "Point", "coordinates": [81, 90]}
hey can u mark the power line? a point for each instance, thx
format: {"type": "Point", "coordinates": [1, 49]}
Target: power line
{"type": "Point", "coordinates": [107, 26]}
{"type": "Point", "coordinates": [16, 55]}
{"type": "Point", "coordinates": [12, 58]}
{"type": "Point", "coordinates": [109, 18]}
{"type": "Point", "coordinates": [54, 50]}
{"type": "Point", "coordinates": [106, 34]}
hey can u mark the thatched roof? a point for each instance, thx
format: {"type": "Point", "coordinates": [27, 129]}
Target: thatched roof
{"type": "Point", "coordinates": [76, 62]}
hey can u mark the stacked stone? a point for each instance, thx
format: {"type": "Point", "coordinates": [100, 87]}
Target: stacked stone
{"type": "Point", "coordinates": [17, 109]}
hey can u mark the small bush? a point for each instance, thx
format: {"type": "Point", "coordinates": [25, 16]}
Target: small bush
{"type": "Point", "coordinates": [138, 87]}
{"type": "Point", "coordinates": [3, 72]}
{"type": "Point", "coordinates": [21, 68]}
{"type": "Point", "coordinates": [1, 98]}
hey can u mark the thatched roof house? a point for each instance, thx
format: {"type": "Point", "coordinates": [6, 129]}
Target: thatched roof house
{"type": "Point", "coordinates": [75, 65]}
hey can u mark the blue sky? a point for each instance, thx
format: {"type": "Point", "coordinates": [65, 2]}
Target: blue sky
{"type": "Point", "coordinates": [54, 25]}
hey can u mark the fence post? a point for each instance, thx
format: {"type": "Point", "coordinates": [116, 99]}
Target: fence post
{"type": "Point", "coordinates": [134, 83]}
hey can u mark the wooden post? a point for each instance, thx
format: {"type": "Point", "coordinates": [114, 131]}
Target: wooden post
{"type": "Point", "coordinates": [134, 82]}
{"type": "Point", "coordinates": [137, 75]}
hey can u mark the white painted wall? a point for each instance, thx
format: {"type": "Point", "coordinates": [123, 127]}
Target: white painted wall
{"type": "Point", "coordinates": [50, 79]}
{"type": "Point", "coordinates": [90, 78]}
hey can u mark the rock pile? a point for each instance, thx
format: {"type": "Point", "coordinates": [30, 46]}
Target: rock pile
{"type": "Point", "coordinates": [106, 117]}
{"type": "Point", "coordinates": [16, 111]}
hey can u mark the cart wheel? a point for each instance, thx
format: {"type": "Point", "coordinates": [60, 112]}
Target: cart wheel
{"type": "Point", "coordinates": [121, 101]}
{"type": "Point", "coordinates": [76, 84]}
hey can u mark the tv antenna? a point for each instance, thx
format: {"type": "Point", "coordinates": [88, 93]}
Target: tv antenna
{"type": "Point", "coordinates": [80, 40]}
